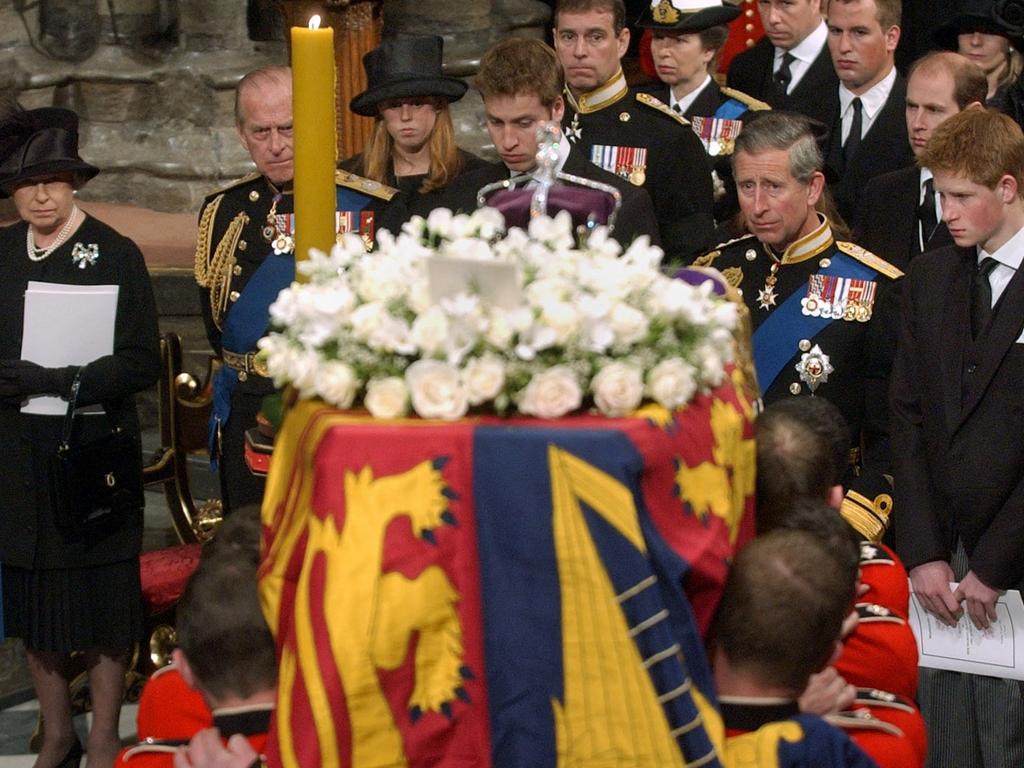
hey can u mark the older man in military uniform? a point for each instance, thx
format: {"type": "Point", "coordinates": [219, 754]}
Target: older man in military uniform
{"type": "Point", "coordinates": [632, 134]}
{"type": "Point", "coordinates": [244, 257]}
{"type": "Point", "coordinates": [823, 311]}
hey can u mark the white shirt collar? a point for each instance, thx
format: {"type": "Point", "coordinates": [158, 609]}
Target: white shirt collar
{"type": "Point", "coordinates": [685, 102]}
{"type": "Point", "coordinates": [807, 50]}
{"type": "Point", "coordinates": [871, 100]}
{"type": "Point", "coordinates": [1010, 254]}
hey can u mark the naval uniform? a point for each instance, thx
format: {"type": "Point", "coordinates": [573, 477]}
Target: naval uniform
{"type": "Point", "coordinates": [824, 318]}
{"type": "Point", "coordinates": [639, 138]}
{"type": "Point", "coordinates": [717, 115]}
{"type": "Point", "coordinates": [243, 260]}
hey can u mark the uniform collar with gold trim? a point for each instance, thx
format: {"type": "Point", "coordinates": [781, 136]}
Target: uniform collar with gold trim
{"type": "Point", "coordinates": [810, 245]}
{"type": "Point", "coordinates": [601, 97]}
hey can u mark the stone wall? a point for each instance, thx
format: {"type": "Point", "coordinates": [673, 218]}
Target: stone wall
{"type": "Point", "coordinates": [154, 85]}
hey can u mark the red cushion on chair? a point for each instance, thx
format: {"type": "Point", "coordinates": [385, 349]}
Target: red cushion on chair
{"type": "Point", "coordinates": [165, 572]}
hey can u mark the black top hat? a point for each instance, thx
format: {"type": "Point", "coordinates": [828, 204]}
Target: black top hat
{"type": "Point", "coordinates": [403, 67]}
{"type": "Point", "coordinates": [40, 142]}
{"type": "Point", "coordinates": [686, 15]}
{"type": "Point", "coordinates": [994, 17]}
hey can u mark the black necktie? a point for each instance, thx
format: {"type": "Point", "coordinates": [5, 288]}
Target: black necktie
{"type": "Point", "coordinates": [926, 212]}
{"type": "Point", "coordinates": [981, 296]}
{"type": "Point", "coordinates": [783, 76]}
{"type": "Point", "coordinates": [856, 127]}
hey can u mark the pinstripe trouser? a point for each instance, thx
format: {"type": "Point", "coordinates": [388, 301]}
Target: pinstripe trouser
{"type": "Point", "coordinates": [973, 721]}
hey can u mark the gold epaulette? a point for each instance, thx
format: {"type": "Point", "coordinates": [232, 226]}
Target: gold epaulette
{"type": "Point", "coordinates": [708, 259]}
{"type": "Point", "coordinates": [869, 517]}
{"type": "Point", "coordinates": [364, 185]}
{"type": "Point", "coordinates": [249, 177]}
{"type": "Point", "coordinates": [749, 101]}
{"type": "Point", "coordinates": [868, 259]}
{"type": "Point", "coordinates": [650, 101]}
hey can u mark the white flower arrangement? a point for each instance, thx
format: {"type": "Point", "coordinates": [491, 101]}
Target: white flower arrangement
{"type": "Point", "coordinates": [591, 325]}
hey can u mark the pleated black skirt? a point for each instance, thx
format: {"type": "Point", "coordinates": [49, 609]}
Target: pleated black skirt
{"type": "Point", "coordinates": [74, 609]}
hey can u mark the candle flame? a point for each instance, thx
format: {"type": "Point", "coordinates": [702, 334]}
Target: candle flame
{"type": "Point", "coordinates": [314, 21]}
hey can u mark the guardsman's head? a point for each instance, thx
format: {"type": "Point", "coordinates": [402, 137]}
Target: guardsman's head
{"type": "Point", "coordinates": [940, 85]}
{"type": "Point", "coordinates": [263, 118]}
{"type": "Point", "coordinates": [787, 23]}
{"type": "Point", "coordinates": [862, 37]}
{"type": "Point", "coordinates": [778, 169]}
{"type": "Point", "coordinates": [590, 37]}
{"type": "Point", "coordinates": [977, 157]}
{"type": "Point", "coordinates": [520, 81]}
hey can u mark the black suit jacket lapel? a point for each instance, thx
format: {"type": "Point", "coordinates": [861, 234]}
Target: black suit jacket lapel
{"type": "Point", "coordinates": [817, 76]}
{"type": "Point", "coordinates": [706, 103]}
{"type": "Point", "coordinates": [955, 331]}
{"type": "Point", "coordinates": [908, 193]}
{"type": "Point", "coordinates": [995, 341]}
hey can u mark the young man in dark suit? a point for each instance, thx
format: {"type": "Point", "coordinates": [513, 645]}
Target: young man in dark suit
{"type": "Point", "coordinates": [900, 215]}
{"type": "Point", "coordinates": [520, 81]}
{"type": "Point", "coordinates": [958, 416]}
{"type": "Point", "coordinates": [790, 67]}
{"type": "Point", "coordinates": [868, 128]}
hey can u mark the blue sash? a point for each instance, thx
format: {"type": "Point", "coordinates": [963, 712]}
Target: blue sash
{"type": "Point", "coordinates": [781, 332]}
{"type": "Point", "coordinates": [245, 323]}
{"type": "Point", "coordinates": [731, 110]}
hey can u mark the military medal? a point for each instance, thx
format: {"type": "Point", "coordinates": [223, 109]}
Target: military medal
{"type": "Point", "coordinates": [575, 133]}
{"type": "Point", "coordinates": [839, 298]}
{"type": "Point", "coordinates": [814, 368]}
{"type": "Point", "coordinates": [766, 297]}
{"type": "Point", "coordinates": [628, 163]}
{"type": "Point", "coordinates": [717, 134]}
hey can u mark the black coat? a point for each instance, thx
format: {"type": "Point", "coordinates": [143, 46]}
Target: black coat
{"type": "Point", "coordinates": [861, 353]}
{"type": "Point", "coordinates": [635, 217]}
{"type": "Point", "coordinates": [751, 72]}
{"type": "Point", "coordinates": [887, 218]}
{"type": "Point", "coordinates": [885, 147]}
{"type": "Point", "coordinates": [676, 174]}
{"type": "Point", "coordinates": [958, 418]}
{"type": "Point", "coordinates": [410, 201]}
{"type": "Point", "coordinates": [29, 537]}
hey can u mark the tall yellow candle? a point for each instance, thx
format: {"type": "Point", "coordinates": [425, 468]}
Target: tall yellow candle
{"type": "Point", "coordinates": [315, 133]}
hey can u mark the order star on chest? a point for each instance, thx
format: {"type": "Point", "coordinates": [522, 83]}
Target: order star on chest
{"type": "Point", "coordinates": [766, 297]}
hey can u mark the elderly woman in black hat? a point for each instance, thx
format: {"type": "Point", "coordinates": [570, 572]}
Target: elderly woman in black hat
{"type": "Point", "coordinates": [67, 588]}
{"type": "Point", "coordinates": [989, 33]}
{"type": "Point", "coordinates": [412, 146]}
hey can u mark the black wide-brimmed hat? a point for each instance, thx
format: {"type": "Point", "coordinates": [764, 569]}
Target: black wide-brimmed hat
{"type": "Point", "coordinates": [686, 15]}
{"type": "Point", "coordinates": [40, 142]}
{"type": "Point", "coordinates": [404, 67]}
{"type": "Point", "coordinates": [993, 17]}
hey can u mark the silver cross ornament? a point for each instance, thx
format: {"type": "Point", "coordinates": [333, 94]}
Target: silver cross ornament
{"type": "Point", "coordinates": [85, 255]}
{"type": "Point", "coordinates": [814, 368]}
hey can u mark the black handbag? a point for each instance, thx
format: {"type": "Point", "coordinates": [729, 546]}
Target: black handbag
{"type": "Point", "coordinates": [96, 480]}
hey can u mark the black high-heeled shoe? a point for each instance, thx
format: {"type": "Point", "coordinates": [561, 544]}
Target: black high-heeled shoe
{"type": "Point", "coordinates": [73, 756]}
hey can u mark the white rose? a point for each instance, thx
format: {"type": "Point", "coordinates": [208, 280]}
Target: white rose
{"type": "Point", "coordinates": [366, 319]}
{"type": "Point", "coordinates": [439, 221]}
{"type": "Point", "coordinates": [672, 383]}
{"type": "Point", "coordinates": [618, 389]}
{"type": "Point", "coordinates": [498, 332]}
{"type": "Point", "coordinates": [712, 363]}
{"type": "Point", "coordinates": [430, 331]}
{"type": "Point", "coordinates": [488, 222]}
{"type": "Point", "coordinates": [562, 318]}
{"type": "Point", "coordinates": [303, 370]}
{"type": "Point", "coordinates": [484, 378]}
{"type": "Point", "coordinates": [387, 398]}
{"type": "Point", "coordinates": [551, 393]}
{"type": "Point", "coordinates": [628, 324]}
{"type": "Point", "coordinates": [436, 390]}
{"type": "Point", "coordinates": [336, 383]}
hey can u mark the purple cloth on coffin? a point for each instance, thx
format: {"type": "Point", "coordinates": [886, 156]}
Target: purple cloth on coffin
{"type": "Point", "coordinates": [580, 202]}
{"type": "Point", "coordinates": [699, 277]}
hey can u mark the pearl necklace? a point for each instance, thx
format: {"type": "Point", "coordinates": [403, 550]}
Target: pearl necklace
{"type": "Point", "coordinates": [38, 254]}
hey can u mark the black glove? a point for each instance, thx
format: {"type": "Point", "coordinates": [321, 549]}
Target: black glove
{"type": "Point", "coordinates": [22, 378]}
